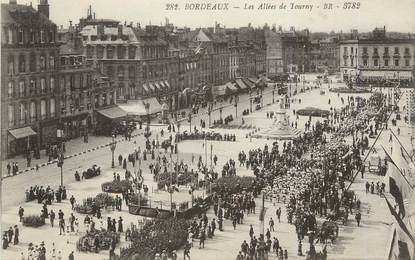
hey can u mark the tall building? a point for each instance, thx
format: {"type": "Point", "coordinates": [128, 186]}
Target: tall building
{"type": "Point", "coordinates": [29, 75]}
{"type": "Point", "coordinates": [136, 59]}
{"type": "Point", "coordinates": [274, 63]}
{"type": "Point", "coordinates": [295, 46]}
{"type": "Point", "coordinates": [323, 55]}
{"type": "Point", "coordinates": [378, 57]}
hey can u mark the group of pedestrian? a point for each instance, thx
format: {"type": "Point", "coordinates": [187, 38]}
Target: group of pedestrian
{"type": "Point", "coordinates": [13, 168]}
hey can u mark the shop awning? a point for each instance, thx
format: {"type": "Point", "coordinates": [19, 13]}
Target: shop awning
{"type": "Point", "coordinates": [248, 83]}
{"type": "Point", "coordinates": [135, 108]}
{"type": "Point", "coordinates": [219, 90]}
{"type": "Point", "coordinates": [158, 86]}
{"type": "Point", "coordinates": [145, 87]}
{"type": "Point", "coordinates": [155, 106]}
{"type": "Point", "coordinates": [167, 84]}
{"type": "Point", "coordinates": [113, 112]}
{"type": "Point", "coordinates": [231, 87]}
{"type": "Point", "coordinates": [22, 132]}
{"type": "Point", "coordinates": [164, 87]}
{"type": "Point", "coordinates": [241, 84]}
{"type": "Point", "coordinates": [152, 87]}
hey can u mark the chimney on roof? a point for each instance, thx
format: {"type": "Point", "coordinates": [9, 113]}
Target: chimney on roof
{"type": "Point", "coordinates": [94, 15]}
{"type": "Point", "coordinates": [43, 8]}
{"type": "Point", "coordinates": [13, 2]}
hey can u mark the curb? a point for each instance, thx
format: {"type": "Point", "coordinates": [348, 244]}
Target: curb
{"type": "Point", "coordinates": [71, 156]}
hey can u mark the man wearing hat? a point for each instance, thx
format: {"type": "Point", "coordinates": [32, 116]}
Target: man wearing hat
{"type": "Point", "coordinates": [16, 235]}
{"type": "Point", "coordinates": [42, 250]}
{"type": "Point", "coordinates": [10, 234]}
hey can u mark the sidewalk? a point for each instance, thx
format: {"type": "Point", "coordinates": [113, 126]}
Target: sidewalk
{"type": "Point", "coordinates": [73, 147]}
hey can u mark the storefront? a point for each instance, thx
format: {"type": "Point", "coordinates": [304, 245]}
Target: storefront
{"type": "Point", "coordinates": [75, 126]}
{"type": "Point", "coordinates": [107, 119]}
{"type": "Point", "coordinates": [21, 140]}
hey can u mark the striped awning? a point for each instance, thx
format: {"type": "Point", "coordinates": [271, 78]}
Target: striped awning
{"type": "Point", "coordinates": [22, 132]}
{"type": "Point", "coordinates": [158, 87]}
{"type": "Point", "coordinates": [167, 84]}
{"type": "Point", "coordinates": [145, 87]}
{"type": "Point", "coordinates": [241, 84]}
{"type": "Point", "coordinates": [152, 87]}
{"type": "Point", "coordinates": [165, 87]}
{"type": "Point", "coordinates": [113, 112]}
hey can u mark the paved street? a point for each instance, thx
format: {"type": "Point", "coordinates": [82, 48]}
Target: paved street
{"type": "Point", "coordinates": [352, 242]}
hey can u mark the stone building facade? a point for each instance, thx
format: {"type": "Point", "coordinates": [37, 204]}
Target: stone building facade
{"type": "Point", "coordinates": [30, 69]}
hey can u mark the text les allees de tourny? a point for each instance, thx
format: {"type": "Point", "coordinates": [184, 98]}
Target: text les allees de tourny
{"type": "Point", "coordinates": [264, 6]}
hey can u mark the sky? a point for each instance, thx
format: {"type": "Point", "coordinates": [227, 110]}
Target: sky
{"type": "Point", "coordinates": [396, 15]}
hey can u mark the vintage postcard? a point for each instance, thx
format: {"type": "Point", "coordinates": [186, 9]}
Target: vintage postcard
{"type": "Point", "coordinates": [207, 129]}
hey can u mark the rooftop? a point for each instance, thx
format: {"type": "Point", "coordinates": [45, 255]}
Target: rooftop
{"type": "Point", "coordinates": [24, 15]}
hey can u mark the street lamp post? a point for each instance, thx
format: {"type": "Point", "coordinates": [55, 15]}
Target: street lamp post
{"type": "Point", "coordinates": [190, 121]}
{"type": "Point", "coordinates": [250, 101]}
{"type": "Point", "coordinates": [60, 162]}
{"type": "Point", "coordinates": [236, 106]}
{"type": "Point", "coordinates": [220, 114]}
{"type": "Point", "coordinates": [210, 106]}
{"type": "Point", "coordinates": [211, 151]}
{"type": "Point", "coordinates": [273, 95]}
{"type": "Point", "coordinates": [112, 148]}
{"type": "Point", "coordinates": [147, 107]}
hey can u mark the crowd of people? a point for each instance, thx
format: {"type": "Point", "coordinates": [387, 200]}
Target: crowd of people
{"type": "Point", "coordinates": [202, 135]}
{"type": "Point", "coordinates": [46, 195]}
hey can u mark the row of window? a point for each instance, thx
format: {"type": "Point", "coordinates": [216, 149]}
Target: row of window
{"type": "Point", "coordinates": [28, 36]}
{"type": "Point", "coordinates": [386, 50]}
{"type": "Point", "coordinates": [110, 51]}
{"type": "Point", "coordinates": [33, 63]}
{"type": "Point", "coordinates": [105, 37]}
{"type": "Point", "coordinates": [376, 63]}
{"type": "Point", "coordinates": [75, 81]}
{"type": "Point", "coordinates": [123, 52]}
{"type": "Point", "coordinates": [104, 99]}
{"type": "Point", "coordinates": [43, 85]}
{"type": "Point", "coordinates": [23, 113]}
{"type": "Point", "coordinates": [34, 86]}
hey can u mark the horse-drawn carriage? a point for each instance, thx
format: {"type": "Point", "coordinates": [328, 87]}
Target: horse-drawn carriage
{"type": "Point", "coordinates": [338, 215]}
{"type": "Point", "coordinates": [328, 230]}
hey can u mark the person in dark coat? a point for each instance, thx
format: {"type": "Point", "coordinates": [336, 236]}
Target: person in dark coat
{"type": "Point", "coordinates": [16, 235]}
{"type": "Point", "coordinates": [96, 243]}
{"type": "Point", "coordinates": [5, 240]}
{"type": "Point", "coordinates": [113, 226]}
{"type": "Point", "coordinates": [358, 217]}
{"type": "Point", "coordinates": [10, 234]}
{"type": "Point", "coordinates": [120, 227]}
{"type": "Point", "coordinates": [71, 256]}
{"type": "Point", "coordinates": [109, 224]}
{"type": "Point", "coordinates": [119, 160]}
{"type": "Point", "coordinates": [21, 213]}
{"type": "Point", "coordinates": [124, 164]}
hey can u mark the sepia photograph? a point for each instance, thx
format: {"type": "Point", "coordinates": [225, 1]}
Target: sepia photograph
{"type": "Point", "coordinates": [207, 130]}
